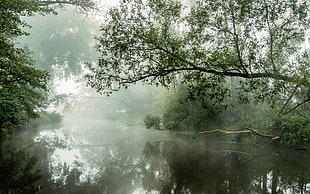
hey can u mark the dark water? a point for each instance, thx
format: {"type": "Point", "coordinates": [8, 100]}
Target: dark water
{"type": "Point", "coordinates": [113, 156]}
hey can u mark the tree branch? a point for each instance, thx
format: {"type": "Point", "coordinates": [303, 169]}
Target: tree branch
{"type": "Point", "coordinates": [46, 3]}
{"type": "Point", "coordinates": [287, 101]}
{"type": "Point", "coordinates": [222, 131]}
{"type": "Point", "coordinates": [248, 130]}
{"type": "Point", "coordinates": [194, 67]}
{"type": "Point", "coordinates": [223, 73]}
{"type": "Point", "coordinates": [271, 37]}
{"type": "Point", "coordinates": [236, 38]}
{"type": "Point", "coordinates": [86, 4]}
{"type": "Point", "coordinates": [298, 105]}
{"type": "Point", "coordinates": [263, 135]}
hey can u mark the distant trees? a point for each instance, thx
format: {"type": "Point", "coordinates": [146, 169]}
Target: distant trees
{"type": "Point", "coordinates": [62, 43]}
{"type": "Point", "coordinates": [163, 42]}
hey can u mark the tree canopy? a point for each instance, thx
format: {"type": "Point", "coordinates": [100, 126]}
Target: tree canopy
{"type": "Point", "coordinates": [22, 86]}
{"type": "Point", "coordinates": [162, 42]}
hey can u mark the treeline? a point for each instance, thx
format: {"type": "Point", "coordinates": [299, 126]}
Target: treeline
{"type": "Point", "coordinates": [182, 110]}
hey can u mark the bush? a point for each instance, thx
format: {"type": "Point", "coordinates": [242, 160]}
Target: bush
{"type": "Point", "coordinates": [295, 130]}
{"type": "Point", "coordinates": [152, 121]}
{"type": "Point", "coordinates": [259, 117]}
{"type": "Point", "coordinates": [187, 111]}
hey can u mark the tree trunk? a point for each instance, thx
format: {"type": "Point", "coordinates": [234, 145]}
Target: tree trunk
{"type": "Point", "coordinates": [1, 142]}
{"type": "Point", "coordinates": [274, 183]}
{"type": "Point", "coordinates": [265, 183]}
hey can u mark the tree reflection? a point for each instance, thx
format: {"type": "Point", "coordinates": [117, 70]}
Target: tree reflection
{"type": "Point", "coordinates": [175, 169]}
{"type": "Point", "coordinates": [195, 171]}
{"type": "Point", "coordinates": [171, 167]}
{"type": "Point", "coordinates": [17, 169]}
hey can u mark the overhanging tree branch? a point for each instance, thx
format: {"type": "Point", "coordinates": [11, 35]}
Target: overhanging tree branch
{"type": "Point", "coordinates": [298, 105]}
{"type": "Point", "coordinates": [216, 42]}
{"type": "Point", "coordinates": [84, 4]}
{"type": "Point", "coordinates": [305, 82]}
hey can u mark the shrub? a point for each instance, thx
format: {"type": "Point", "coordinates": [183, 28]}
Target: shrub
{"type": "Point", "coordinates": [187, 111]}
{"type": "Point", "coordinates": [295, 130]}
{"type": "Point", "coordinates": [152, 121]}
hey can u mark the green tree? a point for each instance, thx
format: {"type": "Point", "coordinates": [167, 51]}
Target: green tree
{"type": "Point", "coordinates": [190, 111]}
{"type": "Point", "coordinates": [158, 42]}
{"type": "Point", "coordinates": [152, 121]}
{"type": "Point", "coordinates": [295, 130]}
{"type": "Point", "coordinates": [22, 86]}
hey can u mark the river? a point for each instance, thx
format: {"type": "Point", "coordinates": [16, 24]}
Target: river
{"type": "Point", "coordinates": [116, 156]}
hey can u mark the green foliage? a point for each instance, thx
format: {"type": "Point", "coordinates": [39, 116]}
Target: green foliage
{"type": "Point", "coordinates": [259, 117]}
{"type": "Point", "coordinates": [163, 42]}
{"type": "Point", "coordinates": [190, 111]}
{"type": "Point", "coordinates": [295, 130]}
{"type": "Point", "coordinates": [152, 121]}
{"type": "Point", "coordinates": [22, 86]}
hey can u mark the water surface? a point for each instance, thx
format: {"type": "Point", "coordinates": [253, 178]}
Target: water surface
{"type": "Point", "coordinates": [114, 156]}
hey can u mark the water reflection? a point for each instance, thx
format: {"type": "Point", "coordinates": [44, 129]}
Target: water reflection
{"type": "Point", "coordinates": [134, 160]}
{"type": "Point", "coordinates": [176, 169]}
{"type": "Point", "coordinates": [113, 158]}
{"type": "Point", "coordinates": [17, 169]}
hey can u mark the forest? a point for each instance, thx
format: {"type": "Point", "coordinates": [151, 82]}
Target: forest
{"type": "Point", "coordinates": [231, 72]}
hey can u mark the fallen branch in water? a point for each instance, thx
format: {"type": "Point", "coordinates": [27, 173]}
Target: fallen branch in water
{"type": "Point", "coordinates": [222, 131]}
{"type": "Point", "coordinates": [263, 135]}
{"type": "Point", "coordinates": [249, 130]}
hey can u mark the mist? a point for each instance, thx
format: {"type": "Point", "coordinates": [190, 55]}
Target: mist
{"type": "Point", "coordinates": [102, 97]}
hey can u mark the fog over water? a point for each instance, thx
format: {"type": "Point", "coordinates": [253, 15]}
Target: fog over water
{"type": "Point", "coordinates": [114, 153]}
{"type": "Point", "coordinates": [102, 144]}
